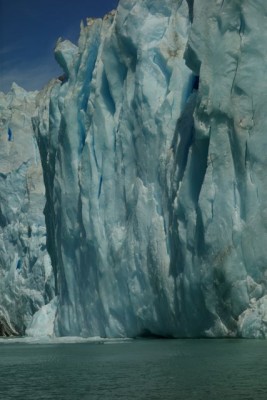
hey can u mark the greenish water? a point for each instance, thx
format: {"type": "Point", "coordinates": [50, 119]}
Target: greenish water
{"type": "Point", "coordinates": [145, 369]}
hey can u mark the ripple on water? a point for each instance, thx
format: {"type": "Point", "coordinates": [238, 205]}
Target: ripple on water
{"type": "Point", "coordinates": [142, 369]}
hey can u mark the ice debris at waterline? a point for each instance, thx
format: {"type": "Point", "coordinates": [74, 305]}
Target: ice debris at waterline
{"type": "Point", "coordinates": [152, 146]}
{"type": "Point", "coordinates": [63, 340]}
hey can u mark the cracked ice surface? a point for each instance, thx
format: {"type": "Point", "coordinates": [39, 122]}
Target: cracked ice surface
{"type": "Point", "coordinates": [156, 193]}
{"type": "Point", "coordinates": [26, 278]}
{"type": "Point", "coordinates": [222, 231]}
{"type": "Point", "coordinates": [111, 126]}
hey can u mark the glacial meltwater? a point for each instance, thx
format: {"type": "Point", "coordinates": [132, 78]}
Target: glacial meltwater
{"type": "Point", "coordinates": [140, 369]}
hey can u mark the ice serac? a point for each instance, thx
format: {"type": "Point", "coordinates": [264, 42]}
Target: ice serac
{"type": "Point", "coordinates": [111, 126]}
{"type": "Point", "coordinates": [26, 278]}
{"type": "Point", "coordinates": [152, 146]}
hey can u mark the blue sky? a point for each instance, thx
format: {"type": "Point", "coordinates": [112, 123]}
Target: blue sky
{"type": "Point", "coordinates": [29, 30]}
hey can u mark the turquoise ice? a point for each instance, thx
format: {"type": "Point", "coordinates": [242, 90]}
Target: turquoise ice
{"type": "Point", "coordinates": [153, 151]}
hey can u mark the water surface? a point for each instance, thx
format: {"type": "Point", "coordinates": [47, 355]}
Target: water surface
{"type": "Point", "coordinates": [141, 369]}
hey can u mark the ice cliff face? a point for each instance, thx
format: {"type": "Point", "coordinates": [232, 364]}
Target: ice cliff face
{"type": "Point", "coordinates": [111, 126]}
{"type": "Point", "coordinates": [26, 278]}
{"type": "Point", "coordinates": [152, 147]}
{"type": "Point", "coordinates": [220, 218]}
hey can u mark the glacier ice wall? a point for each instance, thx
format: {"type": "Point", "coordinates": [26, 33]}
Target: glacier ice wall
{"type": "Point", "coordinates": [109, 129]}
{"type": "Point", "coordinates": [221, 222]}
{"type": "Point", "coordinates": [152, 146]}
{"type": "Point", "coordinates": [26, 278]}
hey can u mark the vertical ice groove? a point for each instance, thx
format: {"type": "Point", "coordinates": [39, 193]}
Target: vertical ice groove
{"type": "Point", "coordinates": [100, 186]}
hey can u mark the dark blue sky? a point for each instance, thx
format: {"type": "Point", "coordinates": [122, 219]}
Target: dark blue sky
{"type": "Point", "coordinates": [29, 30]}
